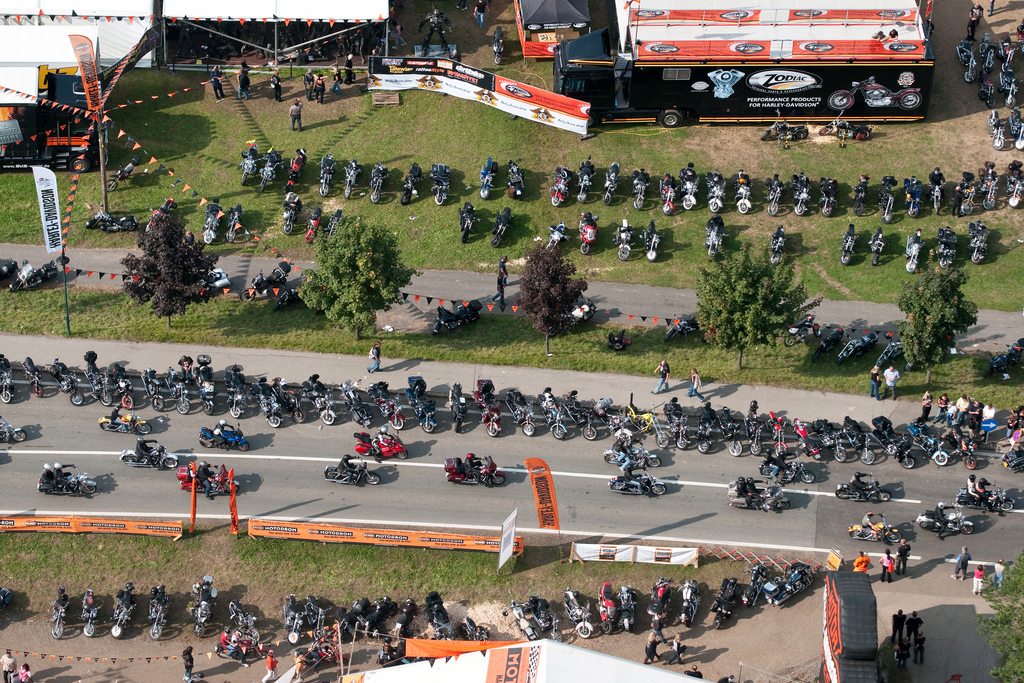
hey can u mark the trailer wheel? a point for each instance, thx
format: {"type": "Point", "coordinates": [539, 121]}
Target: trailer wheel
{"type": "Point", "coordinates": [670, 118]}
{"type": "Point", "coordinates": [82, 165]}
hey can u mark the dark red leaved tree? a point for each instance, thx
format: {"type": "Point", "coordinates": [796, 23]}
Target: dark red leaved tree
{"type": "Point", "coordinates": [548, 290]}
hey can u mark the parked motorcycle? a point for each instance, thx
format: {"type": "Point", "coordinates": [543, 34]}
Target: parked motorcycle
{"type": "Point", "coordinates": [588, 232]}
{"type": "Point", "coordinates": [203, 595]}
{"type": "Point", "coordinates": [898, 447]}
{"type": "Point", "coordinates": [611, 182]}
{"type": "Point", "coordinates": [641, 179]}
{"type": "Point", "coordinates": [689, 184]}
{"type": "Point", "coordinates": [522, 622]}
{"type": "Point", "coordinates": [886, 201]}
{"type": "Point", "coordinates": [914, 191]}
{"type": "Point", "coordinates": [249, 163]}
{"type": "Point", "coordinates": [467, 219]}
{"type": "Point", "coordinates": [90, 612]}
{"type": "Point", "coordinates": [487, 173]}
{"type": "Point", "coordinates": [578, 615]}
{"type": "Point", "coordinates": [502, 222]}
{"type": "Point", "coordinates": [269, 171]}
{"type": "Point", "coordinates": [261, 284]}
{"type": "Point", "coordinates": [966, 191]}
{"type": "Point", "coordinates": [714, 231]}
{"type": "Point", "coordinates": [667, 192]}
{"type": "Point", "coordinates": [9, 434]}
{"type": "Point", "coordinates": [1013, 459]}
{"type": "Point", "coordinates": [979, 238]}
{"type": "Point", "coordinates": [758, 575]}
{"type": "Point", "coordinates": [497, 44]}
{"type": "Point", "coordinates": [349, 395]}
{"type": "Point", "coordinates": [796, 578]}
{"type": "Point", "coordinates": [516, 186]}
{"type": "Point", "coordinates": [847, 247]}
{"type": "Point", "coordinates": [800, 330]}
{"type": "Point", "coordinates": [782, 131]}
{"type": "Point", "coordinates": [288, 297]}
{"type": "Point", "coordinates": [743, 189]}
{"type": "Point", "coordinates": [295, 169]}
{"type": "Point", "coordinates": [774, 187]}
{"type": "Point", "coordinates": [857, 347]}
{"type": "Point", "coordinates": [941, 520]}
{"type": "Point", "coordinates": [557, 235]}
{"type": "Point", "coordinates": [624, 240]}
{"type": "Point", "coordinates": [352, 171]}
{"type": "Point", "coordinates": [460, 316]}
{"type": "Point", "coordinates": [1004, 361]}
{"type": "Point", "coordinates": [560, 190]}
{"type": "Point", "coordinates": [124, 605]}
{"type": "Point", "coordinates": [893, 349]}
{"type": "Point", "coordinates": [829, 188]}
{"type": "Point", "coordinates": [107, 223]}
{"type": "Point", "coordinates": [389, 408]}
{"type": "Point", "coordinates": [211, 221]}
{"type": "Point", "coordinates": [30, 278]}
{"type": "Point", "coordinates": [947, 246]}
{"type": "Point", "coordinates": [326, 174]}
{"type": "Point", "coordinates": [776, 246]}
{"type": "Point", "coordinates": [724, 601]}
{"type": "Point", "coordinates": [801, 186]}
{"type": "Point", "coordinates": [860, 193]}
{"type": "Point", "coordinates": [690, 592]}
{"type": "Point", "coordinates": [584, 179]}
{"type": "Point", "coordinates": [414, 176]}
{"type": "Point", "coordinates": [716, 190]}
{"type": "Point", "coordinates": [67, 381]}
{"type": "Point", "coordinates": [378, 176]}
{"type": "Point", "coordinates": [421, 404]}
{"type": "Point", "coordinates": [845, 130]}
{"type": "Point", "coordinates": [651, 242]}
{"type": "Point", "coordinates": [683, 326]}
{"type": "Point", "coordinates": [521, 410]}
{"type": "Point", "coordinates": [490, 411]}
{"type": "Point", "coordinates": [313, 224]}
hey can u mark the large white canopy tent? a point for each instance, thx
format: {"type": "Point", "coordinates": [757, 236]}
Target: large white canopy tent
{"type": "Point", "coordinates": [542, 661]}
{"type": "Point", "coordinates": [25, 50]}
{"type": "Point", "coordinates": [121, 23]}
{"type": "Point", "coordinates": [278, 10]}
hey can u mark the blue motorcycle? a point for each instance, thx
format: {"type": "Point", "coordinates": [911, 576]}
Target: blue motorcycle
{"type": "Point", "coordinates": [421, 404]}
{"type": "Point", "coordinates": [914, 190]}
{"type": "Point", "coordinates": [490, 168]}
{"type": "Point", "coordinates": [797, 577]}
{"type": "Point", "coordinates": [230, 437]}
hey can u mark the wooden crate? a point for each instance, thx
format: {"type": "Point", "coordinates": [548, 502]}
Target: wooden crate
{"type": "Point", "coordinates": [381, 99]}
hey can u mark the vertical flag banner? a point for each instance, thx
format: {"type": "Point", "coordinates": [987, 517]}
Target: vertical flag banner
{"type": "Point", "coordinates": [46, 190]}
{"type": "Point", "coordinates": [192, 524]}
{"type": "Point", "coordinates": [543, 492]}
{"type": "Point", "coordinates": [86, 56]}
{"type": "Point", "coordinates": [232, 502]}
{"type": "Point", "coordinates": [508, 538]}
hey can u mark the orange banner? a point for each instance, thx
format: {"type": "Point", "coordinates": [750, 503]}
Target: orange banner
{"type": "Point", "coordinates": [86, 56]}
{"type": "Point", "coordinates": [864, 49]}
{"type": "Point", "coordinates": [689, 49]}
{"type": "Point", "coordinates": [330, 533]}
{"type": "Point", "coordinates": [513, 665]}
{"type": "Point", "coordinates": [232, 501]}
{"type": "Point", "coordinates": [538, 49]}
{"type": "Point", "coordinates": [192, 523]}
{"type": "Point", "coordinates": [543, 492]}
{"type": "Point", "coordinates": [693, 16]}
{"type": "Point", "coordinates": [432, 649]}
{"type": "Point", "coordinates": [90, 525]}
{"type": "Point", "coordinates": [853, 16]}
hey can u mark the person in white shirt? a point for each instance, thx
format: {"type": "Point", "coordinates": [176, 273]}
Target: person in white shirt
{"type": "Point", "coordinates": [891, 376]}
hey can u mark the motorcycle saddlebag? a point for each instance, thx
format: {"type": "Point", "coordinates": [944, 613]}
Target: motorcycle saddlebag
{"type": "Point", "coordinates": [183, 474]}
{"type": "Point", "coordinates": [417, 384]}
{"type": "Point", "coordinates": [882, 424]}
{"type": "Point", "coordinates": [90, 357]}
{"type": "Point", "coordinates": [452, 465]}
{"type": "Point", "coordinates": [821, 425]}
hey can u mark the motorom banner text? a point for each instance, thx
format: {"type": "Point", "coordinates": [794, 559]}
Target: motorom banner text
{"type": "Point", "coordinates": [46, 190]}
{"type": "Point", "coordinates": [90, 525]}
{"type": "Point", "coordinates": [329, 533]}
{"type": "Point", "coordinates": [543, 492]}
{"type": "Point", "coordinates": [86, 56]}
{"type": "Point", "coordinates": [468, 83]}
{"type": "Point", "coordinates": [432, 649]}
{"type": "Point", "coordinates": [513, 665]}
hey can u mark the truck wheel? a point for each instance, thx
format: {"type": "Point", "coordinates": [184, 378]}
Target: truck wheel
{"type": "Point", "coordinates": [670, 118]}
{"type": "Point", "coordinates": [82, 165]}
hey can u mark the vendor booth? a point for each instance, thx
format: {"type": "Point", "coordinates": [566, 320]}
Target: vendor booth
{"type": "Point", "coordinates": [543, 24]}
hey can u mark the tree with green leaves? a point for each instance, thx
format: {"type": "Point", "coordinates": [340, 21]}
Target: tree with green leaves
{"type": "Point", "coordinates": [1004, 630]}
{"type": "Point", "coordinates": [746, 301]}
{"type": "Point", "coordinates": [937, 312]}
{"type": "Point", "coordinates": [358, 273]}
{"type": "Point", "coordinates": [548, 290]}
{"type": "Point", "coordinates": [169, 274]}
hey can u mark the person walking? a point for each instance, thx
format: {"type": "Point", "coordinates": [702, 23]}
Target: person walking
{"type": "Point", "coordinates": [979, 579]}
{"type": "Point", "coordinates": [271, 667]}
{"type": "Point", "coordinates": [461, 4]}
{"type": "Point", "coordinates": [188, 661]}
{"type": "Point", "coordinates": [891, 375]}
{"type": "Point", "coordinates": [336, 85]}
{"type": "Point", "coordinates": [300, 665]}
{"type": "Point", "coordinates": [651, 649]}
{"type": "Point", "coordinates": [319, 87]}
{"type": "Point", "coordinates": [942, 409]}
{"type": "Point", "coordinates": [976, 13]}
{"type": "Point", "coordinates": [695, 384]}
{"type": "Point", "coordinates": [676, 650]}
{"type": "Point", "coordinates": [913, 625]}
{"type": "Point", "coordinates": [926, 406]}
{"type": "Point", "coordinates": [876, 383]}
{"type": "Point", "coordinates": [991, 7]}
{"type": "Point", "coordinates": [657, 623]}
{"type": "Point", "coordinates": [218, 87]}
{"type": "Point", "coordinates": [919, 648]}
{"type": "Point", "coordinates": [500, 294]}
{"type": "Point", "coordinates": [374, 358]}
{"type": "Point", "coordinates": [503, 267]}
{"type": "Point", "coordinates": [243, 85]}
{"type": "Point", "coordinates": [275, 84]}
{"type": "Point", "coordinates": [478, 13]}
{"type": "Point", "coordinates": [349, 74]}
{"type": "Point", "coordinates": [963, 560]}
{"type": "Point", "coordinates": [295, 111]}
{"type": "Point", "coordinates": [997, 577]}
{"type": "Point", "coordinates": [25, 673]}
{"type": "Point", "coordinates": [887, 567]}
{"type": "Point", "coordinates": [396, 31]}
{"type": "Point", "coordinates": [8, 664]}
{"type": "Point", "coordinates": [663, 372]}
{"type": "Point", "coordinates": [899, 620]}
{"type": "Point", "coordinates": [1013, 422]}
{"type": "Point", "coordinates": [902, 555]}
{"type": "Point", "coordinates": [308, 81]}
{"type": "Point", "coordinates": [862, 563]}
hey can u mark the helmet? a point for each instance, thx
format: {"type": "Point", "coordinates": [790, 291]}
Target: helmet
{"type": "Point", "coordinates": [753, 405]}
{"type": "Point", "coordinates": [470, 456]}
{"type": "Point", "coordinates": [203, 463]}
{"type": "Point", "coordinates": [858, 474]}
{"type": "Point", "coordinates": [60, 590]}
{"type": "Point", "coordinates": [48, 467]}
{"type": "Point", "coordinates": [675, 399]}
{"type": "Point", "coordinates": [971, 478]}
{"type": "Point", "coordinates": [937, 170]}
{"type": "Point", "coordinates": [129, 586]}
{"type": "Point", "coordinates": [139, 440]}
{"type": "Point", "coordinates": [314, 378]}
{"type": "Point", "coordinates": [383, 430]}
{"type": "Point", "coordinates": [57, 466]}
{"type": "Point", "coordinates": [984, 481]}
{"type": "Point", "coordinates": [940, 504]}
{"type": "Point", "coordinates": [223, 423]}
{"type": "Point", "coordinates": [741, 480]}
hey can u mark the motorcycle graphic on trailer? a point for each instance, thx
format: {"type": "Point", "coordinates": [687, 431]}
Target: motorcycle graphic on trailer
{"type": "Point", "coordinates": [875, 95]}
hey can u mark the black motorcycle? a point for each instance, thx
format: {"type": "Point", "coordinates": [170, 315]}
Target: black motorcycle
{"type": "Point", "coordinates": [872, 492]}
{"type": "Point", "coordinates": [776, 246]}
{"type": "Point", "coordinates": [462, 314]}
{"type": "Point", "coordinates": [801, 187]}
{"type": "Point", "coordinates": [107, 223]}
{"type": "Point", "coordinates": [847, 247]}
{"type": "Point", "coordinates": [877, 244]}
{"type": "Point", "coordinates": [502, 222]}
{"type": "Point", "coordinates": [898, 447]}
{"type": "Point", "coordinates": [828, 343]}
{"type": "Point", "coordinates": [269, 171]}
{"type": "Point", "coordinates": [211, 221]}
{"type": "Point", "coordinates": [516, 186]}
{"type": "Point", "coordinates": [438, 617]}
{"type": "Point", "coordinates": [857, 347]}
{"type": "Point", "coordinates": [292, 207]}
{"type": "Point", "coordinates": [288, 297]}
{"type": "Point", "coordinates": [758, 575]}
{"type": "Point", "coordinates": [584, 179]}
{"type": "Point", "coordinates": [724, 601]}
{"type": "Point", "coordinates": [979, 241]}
{"type": "Point", "coordinates": [947, 246]}
{"type": "Point", "coordinates": [893, 349]}
{"type": "Point", "coordinates": [441, 175]}
{"type": "Point", "coordinates": [796, 577]}
{"type": "Point", "coordinates": [30, 278]}
{"type": "Point", "coordinates": [829, 188]}
{"type": "Point", "coordinates": [497, 44]}
{"type": "Point", "coordinates": [67, 381]}
{"type": "Point", "coordinates": [326, 174]}
{"type": "Point", "coordinates": [467, 218]}
{"type": "Point", "coordinates": [860, 193]}
{"type": "Point", "coordinates": [250, 159]}
{"type": "Point", "coordinates": [122, 174]}
{"type": "Point", "coordinates": [261, 284]}
{"type": "Point", "coordinates": [683, 326]}
{"type": "Point", "coordinates": [800, 330]}
{"type": "Point", "coordinates": [611, 181]}
{"type": "Point", "coordinates": [457, 402]}
{"type": "Point", "coordinates": [414, 176]}
{"type": "Point", "coordinates": [352, 171]}
{"type": "Point", "coordinates": [886, 200]}
{"type": "Point", "coordinates": [1004, 361]}
{"type": "Point", "coordinates": [7, 268]}
{"type": "Point", "coordinates": [378, 176]}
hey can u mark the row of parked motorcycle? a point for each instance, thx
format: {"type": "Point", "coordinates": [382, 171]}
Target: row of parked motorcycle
{"type": "Point", "coordinates": [982, 66]}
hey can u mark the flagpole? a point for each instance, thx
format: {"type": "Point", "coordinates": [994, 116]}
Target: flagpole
{"type": "Point", "coordinates": [64, 265]}
{"type": "Point", "coordinates": [101, 131]}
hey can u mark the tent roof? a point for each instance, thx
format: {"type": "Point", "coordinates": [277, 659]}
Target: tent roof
{"type": "Point", "coordinates": [555, 12]}
{"type": "Point", "coordinates": [21, 78]}
{"type": "Point", "coordinates": [300, 10]}
{"type": "Point", "coordinates": [555, 663]}
{"type": "Point", "coordinates": [30, 45]}
{"type": "Point", "coordinates": [83, 8]}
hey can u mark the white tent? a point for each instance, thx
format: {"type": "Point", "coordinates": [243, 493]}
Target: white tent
{"type": "Point", "coordinates": [28, 52]}
{"type": "Point", "coordinates": [542, 661]}
{"type": "Point", "coordinates": [279, 10]}
{"type": "Point", "coordinates": [121, 23]}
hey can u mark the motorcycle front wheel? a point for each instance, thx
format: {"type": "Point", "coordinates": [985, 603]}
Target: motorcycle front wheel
{"type": "Point", "coordinates": [624, 253]}
{"type": "Point", "coordinates": [584, 629]}
{"type": "Point", "coordinates": [5, 396]}
{"type": "Point", "coordinates": [57, 630]}
{"type": "Point", "coordinates": [245, 176]}
{"type": "Point", "coordinates": [429, 426]}
{"type": "Point", "coordinates": [529, 429]}
{"type": "Point", "coordinates": [807, 477]}
{"type": "Point", "coordinates": [116, 630]}
{"type": "Point", "coordinates": [607, 199]}
{"type": "Point", "coordinates": [789, 340]}
{"type": "Point", "coordinates": [967, 528]}
{"type": "Point", "coordinates": [638, 203]}
{"type": "Point", "coordinates": [782, 504]}
{"type": "Point", "coordinates": [111, 184]}
{"type": "Point", "coordinates": [375, 197]}
{"type": "Point", "coordinates": [989, 203]}
{"type": "Point", "coordinates": [558, 431]}
{"type": "Point", "coordinates": [970, 462]}
{"type": "Point", "coordinates": [662, 440]}
{"type": "Point", "coordinates": [77, 398]}
{"type": "Point", "coordinates": [736, 448]}
{"type": "Point", "coordinates": [274, 421]}
{"type": "Point", "coordinates": [844, 258]}
{"type": "Point", "coordinates": [755, 448]}
{"type": "Point", "coordinates": [405, 198]}
{"type": "Point", "coordinates": [236, 411]}
{"type": "Point", "coordinates": [840, 454]}
{"type": "Point", "coordinates": [325, 189]}
{"type": "Point", "coordinates": [704, 446]}
{"type": "Point", "coordinates": [658, 489]}
{"type": "Point", "coordinates": [493, 429]}
{"type": "Point", "coordinates": [913, 211]}
{"type": "Point", "coordinates": [607, 627]}
{"type": "Point", "coordinates": [372, 478]}
{"type": "Point", "coordinates": [183, 406]}
{"type": "Point", "coordinates": [199, 630]}
{"type": "Point", "coordinates": [156, 630]}
{"type": "Point", "coordinates": [893, 536]}
{"type": "Point", "coordinates": [867, 456]}
{"type": "Point", "coordinates": [89, 629]}
{"type": "Point", "coordinates": [288, 227]}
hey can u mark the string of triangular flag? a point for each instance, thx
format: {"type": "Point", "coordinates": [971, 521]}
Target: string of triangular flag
{"type": "Point", "coordinates": [61, 17]}
{"type": "Point", "coordinates": [88, 659]}
{"type": "Point", "coordinates": [46, 133]}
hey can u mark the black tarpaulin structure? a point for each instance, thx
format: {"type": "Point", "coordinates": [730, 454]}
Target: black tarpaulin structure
{"type": "Point", "coordinates": [542, 15]}
{"type": "Point", "coordinates": [850, 643]}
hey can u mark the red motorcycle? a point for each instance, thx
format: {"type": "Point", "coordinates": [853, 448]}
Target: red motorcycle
{"type": "Point", "coordinates": [253, 650]}
{"type": "Point", "coordinates": [295, 170]}
{"type": "Point", "coordinates": [473, 471]}
{"type": "Point", "coordinates": [608, 609]}
{"type": "Point", "coordinates": [560, 190]}
{"type": "Point", "coordinates": [588, 232]}
{"type": "Point", "coordinates": [875, 95]}
{"type": "Point", "coordinates": [313, 224]}
{"type": "Point", "coordinates": [490, 411]}
{"type": "Point", "coordinates": [380, 446]}
{"type": "Point", "coordinates": [219, 483]}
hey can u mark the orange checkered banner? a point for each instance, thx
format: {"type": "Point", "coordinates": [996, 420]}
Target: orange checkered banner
{"type": "Point", "coordinates": [90, 525]}
{"type": "Point", "coordinates": [330, 533]}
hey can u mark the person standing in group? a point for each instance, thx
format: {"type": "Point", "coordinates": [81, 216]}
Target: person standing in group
{"type": "Point", "coordinates": [963, 404]}
{"type": "Point", "coordinates": [676, 650]}
{"type": "Point", "coordinates": [271, 667]}
{"type": "Point", "coordinates": [460, 4]}
{"type": "Point", "coordinates": [275, 83]}
{"type": "Point", "coordinates": [651, 649]}
{"type": "Point", "coordinates": [887, 563]}
{"type": "Point", "coordinates": [991, 7]}
{"type": "Point", "coordinates": [308, 81]}
{"type": "Point", "coordinates": [663, 372]}
{"type": "Point", "coordinates": [478, 13]}
{"type": "Point", "coordinates": [876, 383]}
{"type": "Point", "coordinates": [926, 406]}
{"type": "Point", "coordinates": [336, 85]}
{"type": "Point", "coordinates": [974, 417]}
{"type": "Point", "coordinates": [899, 620]}
{"type": "Point", "coordinates": [891, 375]}
{"type": "Point", "coordinates": [396, 31]}
{"type": "Point", "coordinates": [942, 409]}
{"type": "Point", "coordinates": [295, 111]}
{"type": "Point", "coordinates": [25, 673]}
{"type": "Point", "coordinates": [913, 625]}
{"type": "Point", "coordinates": [902, 555]}
{"type": "Point", "coordinates": [300, 666]}
{"type": "Point", "coordinates": [319, 87]}
{"type": "Point", "coordinates": [919, 648]}
{"type": "Point", "coordinates": [349, 74]}
{"type": "Point", "coordinates": [188, 661]}
{"type": "Point", "coordinates": [979, 579]}
{"type": "Point", "coordinates": [997, 577]}
{"type": "Point", "coordinates": [862, 563]}
{"type": "Point", "coordinates": [8, 664]}
{"type": "Point", "coordinates": [695, 384]}
{"type": "Point", "coordinates": [657, 623]}
{"type": "Point", "coordinates": [218, 87]}
{"type": "Point", "coordinates": [963, 560]}
{"type": "Point", "coordinates": [374, 358]}
{"type": "Point", "coordinates": [1013, 422]}
{"type": "Point", "coordinates": [902, 652]}
{"type": "Point", "coordinates": [987, 413]}
{"type": "Point", "coordinates": [975, 17]}
{"type": "Point", "coordinates": [243, 85]}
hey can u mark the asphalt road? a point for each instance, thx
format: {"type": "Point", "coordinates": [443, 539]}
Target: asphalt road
{"type": "Point", "coordinates": [282, 477]}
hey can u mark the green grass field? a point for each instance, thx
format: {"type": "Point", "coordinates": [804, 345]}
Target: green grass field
{"type": "Point", "coordinates": [494, 340]}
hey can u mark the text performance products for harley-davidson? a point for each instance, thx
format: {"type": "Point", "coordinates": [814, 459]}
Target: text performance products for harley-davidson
{"type": "Point", "coordinates": [752, 61]}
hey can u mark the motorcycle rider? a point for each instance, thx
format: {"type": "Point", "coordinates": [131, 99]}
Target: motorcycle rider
{"type": "Point", "coordinates": [775, 462]}
{"type": "Point", "coordinates": [472, 463]}
{"type": "Point", "coordinates": [628, 478]}
{"type": "Point", "coordinates": [673, 411]}
{"type": "Point", "coordinates": [143, 452]}
{"type": "Point", "coordinates": [867, 524]}
{"type": "Point", "coordinates": [688, 175]}
{"type": "Point", "coordinates": [47, 478]}
{"type": "Point", "coordinates": [936, 179]}
{"type": "Point", "coordinates": [667, 183]}
{"type": "Point", "coordinates": [981, 494]}
{"type": "Point", "coordinates": [5, 365]}
{"type": "Point", "coordinates": [186, 367]}
{"type": "Point", "coordinates": [60, 480]}
{"type": "Point", "coordinates": [318, 387]}
{"type": "Point", "coordinates": [753, 493]}
{"type": "Point", "coordinates": [62, 599]}
{"type": "Point", "coordinates": [220, 433]}
{"type": "Point", "coordinates": [203, 474]}
{"type": "Point", "coordinates": [382, 436]}
{"type": "Point", "coordinates": [851, 233]}
{"type": "Point", "coordinates": [349, 467]}
{"type": "Point", "coordinates": [858, 485]}
{"type": "Point", "coordinates": [708, 416]}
